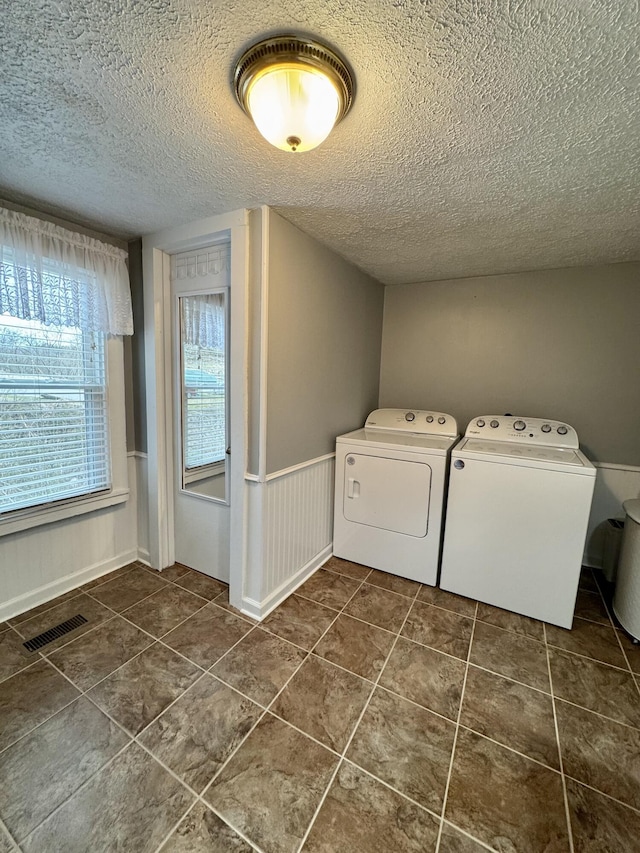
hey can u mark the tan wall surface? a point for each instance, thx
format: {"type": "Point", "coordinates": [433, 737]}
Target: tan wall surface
{"type": "Point", "coordinates": [562, 344]}
{"type": "Point", "coordinates": [325, 323]}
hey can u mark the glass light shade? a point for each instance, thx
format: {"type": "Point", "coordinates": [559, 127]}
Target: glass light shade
{"type": "Point", "coordinates": [294, 107]}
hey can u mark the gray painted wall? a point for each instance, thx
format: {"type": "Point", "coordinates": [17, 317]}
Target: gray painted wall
{"type": "Point", "coordinates": [324, 331]}
{"type": "Point", "coordinates": [136, 399]}
{"type": "Point", "coordinates": [561, 344]}
{"type": "Point", "coordinates": [254, 338]}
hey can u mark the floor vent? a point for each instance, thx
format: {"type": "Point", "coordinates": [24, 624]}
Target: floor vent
{"type": "Point", "coordinates": [53, 633]}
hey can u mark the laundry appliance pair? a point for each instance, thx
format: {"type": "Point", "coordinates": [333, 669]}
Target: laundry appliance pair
{"type": "Point", "coordinates": [519, 496]}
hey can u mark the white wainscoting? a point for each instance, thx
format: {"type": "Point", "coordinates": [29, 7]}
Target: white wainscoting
{"type": "Point", "coordinates": [614, 484]}
{"type": "Point", "coordinates": [290, 531]}
{"type": "Point", "coordinates": [39, 564]}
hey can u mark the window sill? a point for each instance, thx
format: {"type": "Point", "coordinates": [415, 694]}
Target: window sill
{"type": "Point", "coordinates": [24, 520]}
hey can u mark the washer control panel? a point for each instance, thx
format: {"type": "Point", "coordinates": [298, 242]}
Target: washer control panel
{"type": "Point", "coordinates": [413, 420]}
{"type": "Point", "coordinates": [523, 430]}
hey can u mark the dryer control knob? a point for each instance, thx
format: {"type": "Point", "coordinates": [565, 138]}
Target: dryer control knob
{"type": "Point", "coordinates": [546, 427]}
{"type": "Point", "coordinates": [459, 464]}
{"type": "Point", "coordinates": [442, 420]}
{"type": "Point", "coordinates": [409, 416]}
{"type": "Point", "coordinates": [480, 422]}
{"type": "Point", "coordinates": [429, 419]}
{"type": "Point", "coordinates": [562, 430]}
{"type": "Point", "coordinates": [519, 425]}
{"type": "Point", "coordinates": [494, 424]}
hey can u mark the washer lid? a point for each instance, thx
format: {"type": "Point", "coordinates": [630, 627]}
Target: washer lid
{"type": "Point", "coordinates": [527, 456]}
{"type": "Point", "coordinates": [395, 440]}
{"type": "Point", "coordinates": [523, 451]}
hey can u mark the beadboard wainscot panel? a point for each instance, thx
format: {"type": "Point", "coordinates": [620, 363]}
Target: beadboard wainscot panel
{"type": "Point", "coordinates": [142, 505]}
{"type": "Point", "coordinates": [614, 485]}
{"type": "Point", "coordinates": [290, 523]}
{"type": "Point", "coordinates": [43, 562]}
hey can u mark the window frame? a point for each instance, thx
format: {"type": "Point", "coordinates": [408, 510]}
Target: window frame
{"type": "Point", "coordinates": [208, 469]}
{"type": "Point", "coordinates": [17, 520]}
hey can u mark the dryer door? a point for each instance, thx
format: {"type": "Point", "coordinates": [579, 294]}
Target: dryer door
{"type": "Point", "coordinates": [390, 494]}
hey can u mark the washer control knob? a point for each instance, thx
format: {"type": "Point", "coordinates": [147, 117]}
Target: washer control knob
{"type": "Point", "coordinates": [459, 464]}
{"type": "Point", "coordinates": [480, 422]}
{"type": "Point", "coordinates": [442, 420]}
{"type": "Point", "coordinates": [409, 417]}
{"type": "Point", "coordinates": [429, 419]}
{"type": "Point", "coordinates": [519, 425]}
{"type": "Point", "coordinates": [562, 430]}
{"type": "Point", "coordinates": [546, 427]}
{"type": "Point", "coordinates": [494, 424]}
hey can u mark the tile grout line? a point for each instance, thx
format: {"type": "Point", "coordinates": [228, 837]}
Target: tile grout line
{"type": "Point", "coordinates": [42, 722]}
{"type": "Point", "coordinates": [14, 844]}
{"type": "Point", "coordinates": [635, 676]}
{"type": "Point", "coordinates": [356, 726]}
{"type": "Point", "coordinates": [565, 796]}
{"type": "Point", "coordinates": [635, 809]}
{"type": "Point", "coordinates": [455, 735]}
{"type": "Point", "coordinates": [94, 627]}
{"type": "Point", "coordinates": [482, 844]}
{"type": "Point", "coordinates": [598, 713]}
{"type": "Point", "coordinates": [308, 653]}
{"type": "Point", "coordinates": [352, 763]}
{"type": "Point", "coordinates": [84, 693]}
{"type": "Point", "coordinates": [37, 659]}
{"type": "Point", "coordinates": [78, 591]}
{"type": "Point", "coordinates": [42, 612]}
{"type": "Point", "coordinates": [586, 657]}
{"type": "Point", "coordinates": [268, 711]}
{"type": "Point", "coordinates": [84, 784]}
{"type": "Point", "coordinates": [133, 738]}
{"type": "Point", "coordinates": [196, 802]}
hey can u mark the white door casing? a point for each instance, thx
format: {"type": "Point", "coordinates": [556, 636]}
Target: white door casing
{"type": "Point", "coordinates": [201, 507]}
{"type": "Point", "coordinates": [159, 392]}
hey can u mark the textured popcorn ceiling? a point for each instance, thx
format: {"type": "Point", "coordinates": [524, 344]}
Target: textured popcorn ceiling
{"type": "Point", "coordinates": [487, 136]}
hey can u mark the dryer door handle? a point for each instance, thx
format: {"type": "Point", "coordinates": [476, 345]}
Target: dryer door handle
{"type": "Point", "coordinates": [353, 488]}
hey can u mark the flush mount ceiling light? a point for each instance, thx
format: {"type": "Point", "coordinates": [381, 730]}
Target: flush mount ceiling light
{"type": "Point", "coordinates": [295, 90]}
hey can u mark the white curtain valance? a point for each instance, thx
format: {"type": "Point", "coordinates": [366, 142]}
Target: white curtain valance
{"type": "Point", "coordinates": [62, 278]}
{"type": "Point", "coordinates": [203, 320]}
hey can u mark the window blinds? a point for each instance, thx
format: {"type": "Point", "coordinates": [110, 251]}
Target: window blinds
{"type": "Point", "coordinates": [53, 414]}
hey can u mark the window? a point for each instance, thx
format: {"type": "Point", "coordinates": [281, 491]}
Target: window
{"type": "Point", "coordinates": [54, 441]}
{"type": "Point", "coordinates": [64, 305]}
{"type": "Point", "coordinates": [203, 360]}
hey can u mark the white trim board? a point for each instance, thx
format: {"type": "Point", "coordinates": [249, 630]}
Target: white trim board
{"type": "Point", "coordinates": [261, 609]}
{"type": "Point", "coordinates": [45, 593]}
{"type": "Point", "coordinates": [156, 251]}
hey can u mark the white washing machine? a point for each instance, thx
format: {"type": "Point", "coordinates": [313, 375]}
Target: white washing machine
{"type": "Point", "coordinates": [520, 494]}
{"type": "Point", "coordinates": [390, 491]}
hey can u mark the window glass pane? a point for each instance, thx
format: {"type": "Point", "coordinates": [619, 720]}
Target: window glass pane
{"type": "Point", "coordinates": [53, 418]}
{"type": "Point", "coordinates": [203, 348]}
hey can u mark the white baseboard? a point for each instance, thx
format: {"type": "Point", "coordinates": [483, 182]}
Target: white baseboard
{"type": "Point", "coordinates": [261, 609]}
{"type": "Point", "coordinates": [144, 556]}
{"type": "Point", "coordinates": [42, 594]}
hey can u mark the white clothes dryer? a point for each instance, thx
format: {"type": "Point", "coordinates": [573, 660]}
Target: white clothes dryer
{"type": "Point", "coordinates": [520, 494]}
{"type": "Point", "coordinates": [390, 491]}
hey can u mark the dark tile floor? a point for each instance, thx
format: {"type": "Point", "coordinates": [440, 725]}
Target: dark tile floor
{"type": "Point", "coordinates": [367, 713]}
